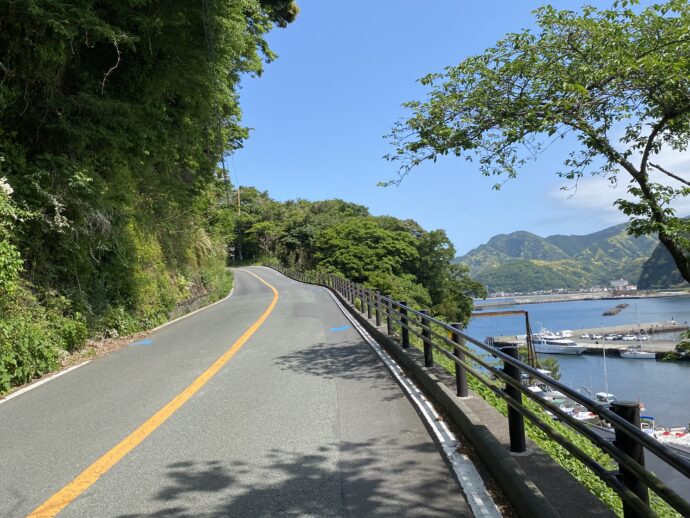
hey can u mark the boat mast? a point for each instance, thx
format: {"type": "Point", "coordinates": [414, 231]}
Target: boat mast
{"type": "Point", "coordinates": [606, 376]}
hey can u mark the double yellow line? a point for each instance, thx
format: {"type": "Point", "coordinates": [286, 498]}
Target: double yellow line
{"type": "Point", "coordinates": [90, 475]}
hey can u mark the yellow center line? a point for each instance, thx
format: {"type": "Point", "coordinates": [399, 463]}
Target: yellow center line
{"type": "Point", "coordinates": [90, 475]}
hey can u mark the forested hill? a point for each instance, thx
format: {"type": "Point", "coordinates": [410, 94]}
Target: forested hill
{"type": "Point", "coordinates": [397, 257]}
{"type": "Point", "coordinates": [113, 116]}
{"type": "Point", "coordinates": [525, 262]}
{"type": "Point", "coordinates": [661, 272]}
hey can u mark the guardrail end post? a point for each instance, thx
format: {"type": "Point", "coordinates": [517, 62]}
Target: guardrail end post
{"type": "Point", "coordinates": [516, 423]}
{"type": "Point", "coordinates": [460, 372]}
{"type": "Point", "coordinates": [630, 411]}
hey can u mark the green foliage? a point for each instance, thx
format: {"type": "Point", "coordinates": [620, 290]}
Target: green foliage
{"type": "Point", "coordinates": [395, 257]}
{"type": "Point", "coordinates": [27, 350]}
{"type": "Point", "coordinates": [682, 350]}
{"type": "Point", "coordinates": [10, 260]}
{"type": "Point", "coordinates": [361, 245]}
{"type": "Point", "coordinates": [112, 124]}
{"type": "Point", "coordinates": [614, 81]}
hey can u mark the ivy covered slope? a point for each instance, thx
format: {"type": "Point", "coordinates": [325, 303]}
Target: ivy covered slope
{"type": "Point", "coordinates": [396, 257]}
{"type": "Point", "coordinates": [525, 262]}
{"type": "Point", "coordinates": [113, 117]}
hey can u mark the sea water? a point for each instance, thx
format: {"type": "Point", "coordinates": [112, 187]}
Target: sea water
{"type": "Point", "coordinates": [663, 387]}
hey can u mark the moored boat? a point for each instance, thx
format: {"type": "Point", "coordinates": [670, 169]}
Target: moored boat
{"type": "Point", "coordinates": [556, 345]}
{"type": "Point", "coordinates": [637, 354]}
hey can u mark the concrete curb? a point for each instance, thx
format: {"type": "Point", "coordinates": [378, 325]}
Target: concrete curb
{"type": "Point", "coordinates": [523, 494]}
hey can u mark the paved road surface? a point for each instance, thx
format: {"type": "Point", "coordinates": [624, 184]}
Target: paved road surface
{"type": "Point", "coordinates": [303, 419]}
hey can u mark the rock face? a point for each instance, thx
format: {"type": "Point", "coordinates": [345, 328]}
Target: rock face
{"type": "Point", "coordinates": [522, 261]}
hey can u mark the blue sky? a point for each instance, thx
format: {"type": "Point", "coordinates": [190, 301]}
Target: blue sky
{"type": "Point", "coordinates": [320, 111]}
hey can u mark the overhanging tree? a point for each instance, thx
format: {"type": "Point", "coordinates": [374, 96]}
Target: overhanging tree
{"type": "Point", "coordinates": [618, 80]}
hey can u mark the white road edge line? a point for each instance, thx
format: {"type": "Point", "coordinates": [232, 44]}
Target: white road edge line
{"type": "Point", "coordinates": [472, 484]}
{"type": "Point", "coordinates": [51, 377]}
{"type": "Point", "coordinates": [40, 382]}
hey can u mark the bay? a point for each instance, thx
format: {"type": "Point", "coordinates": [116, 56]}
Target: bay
{"type": "Point", "coordinates": [664, 387]}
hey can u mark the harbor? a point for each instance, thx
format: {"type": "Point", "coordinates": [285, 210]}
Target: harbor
{"type": "Point", "coordinates": [657, 337]}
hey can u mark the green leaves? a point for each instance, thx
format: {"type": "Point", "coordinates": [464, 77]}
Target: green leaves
{"type": "Point", "coordinates": [112, 122]}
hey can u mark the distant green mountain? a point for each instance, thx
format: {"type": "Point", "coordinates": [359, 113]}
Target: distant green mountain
{"type": "Point", "coordinates": [659, 271]}
{"type": "Point", "coordinates": [522, 261]}
{"type": "Point", "coordinates": [504, 248]}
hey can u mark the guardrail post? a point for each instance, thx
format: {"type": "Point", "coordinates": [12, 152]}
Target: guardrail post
{"type": "Point", "coordinates": [516, 423]}
{"type": "Point", "coordinates": [389, 318]}
{"type": "Point", "coordinates": [353, 295]}
{"type": "Point", "coordinates": [426, 338]}
{"type": "Point", "coordinates": [404, 322]}
{"type": "Point", "coordinates": [460, 372]}
{"type": "Point", "coordinates": [630, 411]}
{"type": "Point", "coordinates": [377, 310]}
{"type": "Point", "coordinates": [368, 295]}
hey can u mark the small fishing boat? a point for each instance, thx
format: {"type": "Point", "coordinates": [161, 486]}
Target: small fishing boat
{"type": "Point", "coordinates": [637, 353]}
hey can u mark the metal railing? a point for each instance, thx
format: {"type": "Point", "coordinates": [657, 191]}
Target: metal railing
{"type": "Point", "coordinates": [631, 481]}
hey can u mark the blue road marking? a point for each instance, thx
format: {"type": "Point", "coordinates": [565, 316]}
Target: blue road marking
{"type": "Point", "coordinates": [341, 328]}
{"type": "Point", "coordinates": [142, 342]}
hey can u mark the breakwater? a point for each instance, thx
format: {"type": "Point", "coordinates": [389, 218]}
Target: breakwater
{"type": "Point", "coordinates": [572, 297]}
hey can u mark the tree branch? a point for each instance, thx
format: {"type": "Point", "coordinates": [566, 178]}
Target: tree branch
{"type": "Point", "coordinates": [117, 63]}
{"type": "Point", "coordinates": [650, 142]}
{"type": "Point", "coordinates": [669, 173]}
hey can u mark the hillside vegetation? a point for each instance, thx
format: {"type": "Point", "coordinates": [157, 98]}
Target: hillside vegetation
{"type": "Point", "coordinates": [396, 257]}
{"type": "Point", "coordinates": [660, 272]}
{"type": "Point", "coordinates": [524, 262]}
{"type": "Point", "coordinates": [113, 117]}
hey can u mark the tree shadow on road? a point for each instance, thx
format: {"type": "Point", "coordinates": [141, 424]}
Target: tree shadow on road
{"type": "Point", "coordinates": [372, 478]}
{"type": "Point", "coordinates": [353, 361]}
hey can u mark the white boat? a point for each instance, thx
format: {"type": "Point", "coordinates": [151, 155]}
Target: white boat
{"type": "Point", "coordinates": [677, 438]}
{"type": "Point", "coordinates": [637, 354]}
{"type": "Point", "coordinates": [548, 345]}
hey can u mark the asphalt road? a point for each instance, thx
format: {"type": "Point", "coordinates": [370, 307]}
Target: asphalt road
{"type": "Point", "coordinates": [302, 420]}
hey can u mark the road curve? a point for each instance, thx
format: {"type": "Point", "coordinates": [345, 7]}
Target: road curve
{"type": "Point", "coordinates": [301, 418]}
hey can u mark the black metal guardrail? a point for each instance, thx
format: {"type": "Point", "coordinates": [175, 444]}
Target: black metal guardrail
{"type": "Point", "coordinates": [631, 481]}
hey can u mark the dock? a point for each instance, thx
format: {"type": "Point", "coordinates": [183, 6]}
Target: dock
{"type": "Point", "coordinates": [613, 347]}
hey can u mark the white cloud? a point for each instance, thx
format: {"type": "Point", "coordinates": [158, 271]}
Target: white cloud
{"type": "Point", "coordinates": [597, 194]}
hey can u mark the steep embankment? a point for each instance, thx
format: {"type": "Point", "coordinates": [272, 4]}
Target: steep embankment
{"type": "Point", "coordinates": [112, 122]}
